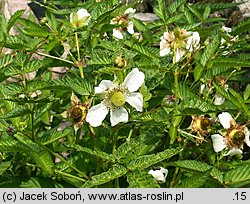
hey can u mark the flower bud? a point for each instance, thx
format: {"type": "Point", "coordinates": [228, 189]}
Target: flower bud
{"type": "Point", "coordinates": [138, 37]}
{"type": "Point", "coordinates": [80, 18]}
{"type": "Point", "coordinates": [120, 62]}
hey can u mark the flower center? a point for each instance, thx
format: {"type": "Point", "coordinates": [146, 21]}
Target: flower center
{"type": "Point", "coordinates": [76, 114]}
{"type": "Point", "coordinates": [118, 98]}
{"type": "Point", "coordinates": [237, 137]}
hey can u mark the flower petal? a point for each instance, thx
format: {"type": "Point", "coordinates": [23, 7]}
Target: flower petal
{"type": "Point", "coordinates": [218, 142]}
{"type": "Point", "coordinates": [74, 99]}
{"type": "Point", "coordinates": [117, 33]}
{"type": "Point", "coordinates": [164, 47]}
{"type": "Point", "coordinates": [134, 80]}
{"type": "Point", "coordinates": [225, 119]}
{"type": "Point", "coordinates": [233, 152]}
{"type": "Point", "coordinates": [83, 13]}
{"type": "Point", "coordinates": [158, 175]}
{"type": "Point", "coordinates": [247, 135]}
{"type": "Point", "coordinates": [96, 114]}
{"type": "Point", "coordinates": [165, 171]}
{"type": "Point", "coordinates": [179, 55]}
{"type": "Point", "coordinates": [135, 100]}
{"type": "Point", "coordinates": [219, 99]}
{"type": "Point", "coordinates": [130, 11]}
{"type": "Point", "coordinates": [130, 27]}
{"type": "Point", "coordinates": [103, 86]}
{"type": "Point", "coordinates": [119, 114]}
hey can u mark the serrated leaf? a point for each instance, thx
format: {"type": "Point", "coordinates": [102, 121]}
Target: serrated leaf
{"type": "Point", "coordinates": [28, 143]}
{"type": "Point", "coordinates": [198, 167]}
{"type": "Point", "coordinates": [145, 161]}
{"type": "Point", "coordinates": [233, 97]}
{"type": "Point", "coordinates": [4, 166]}
{"type": "Point", "coordinates": [246, 94]}
{"type": "Point", "coordinates": [241, 27]}
{"type": "Point", "coordinates": [113, 173]}
{"type": "Point", "coordinates": [175, 5]}
{"type": "Point", "coordinates": [5, 60]}
{"type": "Point", "coordinates": [125, 148]}
{"type": "Point", "coordinates": [15, 113]}
{"type": "Point", "coordinates": [32, 29]}
{"type": "Point", "coordinates": [96, 153]}
{"type": "Point", "coordinates": [77, 84]}
{"type": "Point", "coordinates": [40, 182]}
{"type": "Point", "coordinates": [53, 135]}
{"type": "Point", "coordinates": [13, 19]}
{"type": "Point", "coordinates": [194, 181]}
{"type": "Point", "coordinates": [210, 50]}
{"type": "Point", "coordinates": [141, 179]}
{"type": "Point", "coordinates": [146, 51]}
{"type": "Point", "coordinates": [238, 176]}
{"type": "Point", "coordinates": [44, 161]}
{"type": "Point", "coordinates": [11, 145]}
{"type": "Point", "coordinates": [228, 62]}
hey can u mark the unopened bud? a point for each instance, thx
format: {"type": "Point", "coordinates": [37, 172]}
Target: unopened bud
{"type": "Point", "coordinates": [138, 37]}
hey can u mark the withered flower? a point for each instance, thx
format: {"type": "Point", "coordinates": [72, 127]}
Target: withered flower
{"type": "Point", "coordinates": [77, 112]}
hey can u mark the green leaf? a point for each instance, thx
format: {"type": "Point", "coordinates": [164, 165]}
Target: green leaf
{"type": "Point", "coordinates": [206, 12]}
{"type": "Point", "coordinates": [40, 182]}
{"type": "Point", "coordinates": [13, 19]}
{"type": "Point", "coordinates": [15, 113]}
{"type": "Point", "coordinates": [32, 29]}
{"type": "Point", "coordinates": [233, 97]}
{"type": "Point", "coordinates": [10, 145]}
{"type": "Point", "coordinates": [210, 50]}
{"type": "Point", "coordinates": [175, 5]}
{"type": "Point", "coordinates": [238, 177]}
{"type": "Point", "coordinates": [96, 153]}
{"type": "Point", "coordinates": [146, 51]}
{"type": "Point", "coordinates": [77, 84]}
{"type": "Point", "coordinates": [141, 179]}
{"type": "Point", "coordinates": [195, 12]}
{"type": "Point", "coordinates": [125, 148]}
{"type": "Point", "coordinates": [160, 10]}
{"type": "Point", "coordinates": [191, 101]}
{"type": "Point", "coordinates": [194, 181]}
{"type": "Point", "coordinates": [228, 62]}
{"type": "Point", "coordinates": [198, 167]}
{"type": "Point", "coordinates": [5, 60]}
{"type": "Point", "coordinates": [44, 161]}
{"type": "Point", "coordinates": [241, 27]}
{"type": "Point", "coordinates": [28, 143]}
{"type": "Point", "coordinates": [246, 94]}
{"type": "Point", "coordinates": [53, 135]}
{"type": "Point", "coordinates": [113, 173]}
{"type": "Point", "coordinates": [4, 166]}
{"type": "Point", "coordinates": [145, 161]}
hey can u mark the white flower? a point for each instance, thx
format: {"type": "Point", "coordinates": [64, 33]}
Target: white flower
{"type": "Point", "coordinates": [181, 41]}
{"type": "Point", "coordinates": [227, 29]}
{"type": "Point", "coordinates": [159, 175]}
{"type": "Point", "coordinates": [225, 120]}
{"type": "Point", "coordinates": [125, 24]}
{"type": "Point", "coordinates": [234, 137]}
{"type": "Point", "coordinates": [80, 18]}
{"type": "Point", "coordinates": [218, 98]}
{"type": "Point", "coordinates": [114, 97]}
{"type": "Point", "coordinates": [165, 44]}
{"type": "Point", "coordinates": [193, 42]}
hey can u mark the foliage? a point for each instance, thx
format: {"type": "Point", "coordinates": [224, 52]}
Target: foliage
{"type": "Point", "coordinates": [39, 147]}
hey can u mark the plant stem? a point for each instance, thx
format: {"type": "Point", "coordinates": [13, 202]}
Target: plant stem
{"type": "Point", "coordinates": [69, 175]}
{"type": "Point", "coordinates": [77, 46]}
{"type": "Point", "coordinates": [64, 160]}
{"type": "Point", "coordinates": [54, 57]}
